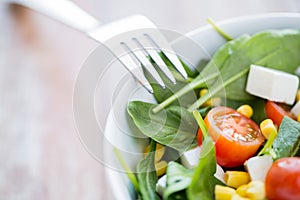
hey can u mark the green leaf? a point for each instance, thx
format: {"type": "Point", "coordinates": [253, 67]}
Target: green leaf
{"type": "Point", "coordinates": [146, 175]}
{"type": "Point", "coordinates": [287, 142]}
{"type": "Point", "coordinates": [222, 55]}
{"type": "Point", "coordinates": [204, 181]}
{"type": "Point", "coordinates": [174, 127]}
{"type": "Point", "coordinates": [277, 49]}
{"type": "Point", "coordinates": [178, 179]}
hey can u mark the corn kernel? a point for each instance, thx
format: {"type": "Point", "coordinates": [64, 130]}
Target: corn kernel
{"type": "Point", "coordinates": [267, 127]}
{"type": "Point", "coordinates": [208, 102]}
{"type": "Point", "coordinates": [203, 92]}
{"type": "Point", "coordinates": [223, 192]}
{"type": "Point", "coordinates": [236, 178]}
{"type": "Point", "coordinates": [215, 101]}
{"type": "Point", "coordinates": [246, 110]}
{"type": "Point", "coordinates": [161, 167]}
{"type": "Point", "coordinates": [159, 152]}
{"type": "Point", "coordinates": [255, 190]}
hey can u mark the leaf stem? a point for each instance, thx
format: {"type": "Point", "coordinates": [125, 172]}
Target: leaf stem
{"type": "Point", "coordinates": [219, 30]}
{"type": "Point", "coordinates": [128, 171]}
{"type": "Point", "coordinates": [200, 123]}
{"type": "Point", "coordinates": [215, 90]}
{"type": "Point", "coordinates": [192, 85]}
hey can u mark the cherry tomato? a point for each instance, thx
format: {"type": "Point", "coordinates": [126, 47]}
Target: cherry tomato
{"type": "Point", "coordinates": [275, 112]}
{"type": "Point", "coordinates": [283, 179]}
{"type": "Point", "coordinates": [199, 137]}
{"type": "Point", "coordinates": [237, 138]}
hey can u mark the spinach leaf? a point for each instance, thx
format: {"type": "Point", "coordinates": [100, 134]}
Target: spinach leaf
{"type": "Point", "coordinates": [204, 181]}
{"type": "Point", "coordinates": [147, 178]}
{"type": "Point", "coordinates": [287, 142]}
{"type": "Point", "coordinates": [178, 179]}
{"type": "Point", "coordinates": [222, 55]}
{"type": "Point", "coordinates": [277, 49]}
{"type": "Point", "coordinates": [174, 127]}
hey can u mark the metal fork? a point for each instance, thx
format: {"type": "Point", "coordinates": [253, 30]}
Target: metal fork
{"type": "Point", "coordinates": [133, 40]}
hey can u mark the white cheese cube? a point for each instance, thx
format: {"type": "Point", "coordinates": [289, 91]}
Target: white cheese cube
{"type": "Point", "coordinates": [258, 167]}
{"type": "Point", "coordinates": [296, 109]}
{"type": "Point", "coordinates": [161, 185]}
{"type": "Point", "coordinates": [272, 84]}
{"type": "Point", "coordinates": [190, 158]}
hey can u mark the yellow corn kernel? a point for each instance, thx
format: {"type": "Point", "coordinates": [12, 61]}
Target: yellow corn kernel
{"type": "Point", "coordinates": [267, 127]}
{"type": "Point", "coordinates": [236, 178]}
{"type": "Point", "coordinates": [159, 152]}
{"type": "Point", "coordinates": [161, 167]}
{"type": "Point", "coordinates": [215, 101]}
{"type": "Point", "coordinates": [223, 192]}
{"type": "Point", "coordinates": [238, 197]}
{"type": "Point", "coordinates": [203, 92]}
{"type": "Point", "coordinates": [246, 110]}
{"type": "Point", "coordinates": [208, 102]}
{"type": "Point", "coordinates": [255, 190]}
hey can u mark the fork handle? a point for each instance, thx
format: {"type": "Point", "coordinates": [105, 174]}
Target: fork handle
{"type": "Point", "coordinates": [64, 11]}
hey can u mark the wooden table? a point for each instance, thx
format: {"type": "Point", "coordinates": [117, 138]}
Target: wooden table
{"type": "Point", "coordinates": [41, 156]}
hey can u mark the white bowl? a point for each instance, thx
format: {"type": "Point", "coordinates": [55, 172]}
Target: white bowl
{"type": "Point", "coordinates": [119, 88]}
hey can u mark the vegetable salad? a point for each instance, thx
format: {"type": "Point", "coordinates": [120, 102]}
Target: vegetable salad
{"type": "Point", "coordinates": [246, 142]}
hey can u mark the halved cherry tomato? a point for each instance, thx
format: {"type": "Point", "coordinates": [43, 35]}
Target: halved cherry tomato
{"type": "Point", "coordinates": [283, 179]}
{"type": "Point", "coordinates": [237, 138]}
{"type": "Point", "coordinates": [275, 112]}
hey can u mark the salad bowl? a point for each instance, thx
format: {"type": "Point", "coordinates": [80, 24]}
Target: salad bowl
{"type": "Point", "coordinates": [115, 88]}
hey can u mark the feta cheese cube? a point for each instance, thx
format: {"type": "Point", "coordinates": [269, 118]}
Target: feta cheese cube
{"type": "Point", "coordinates": [161, 185]}
{"type": "Point", "coordinates": [296, 109]}
{"type": "Point", "coordinates": [190, 158]}
{"type": "Point", "coordinates": [272, 84]}
{"type": "Point", "coordinates": [258, 167]}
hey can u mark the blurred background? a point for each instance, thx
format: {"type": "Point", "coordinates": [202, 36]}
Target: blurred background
{"type": "Point", "coordinates": [41, 156]}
